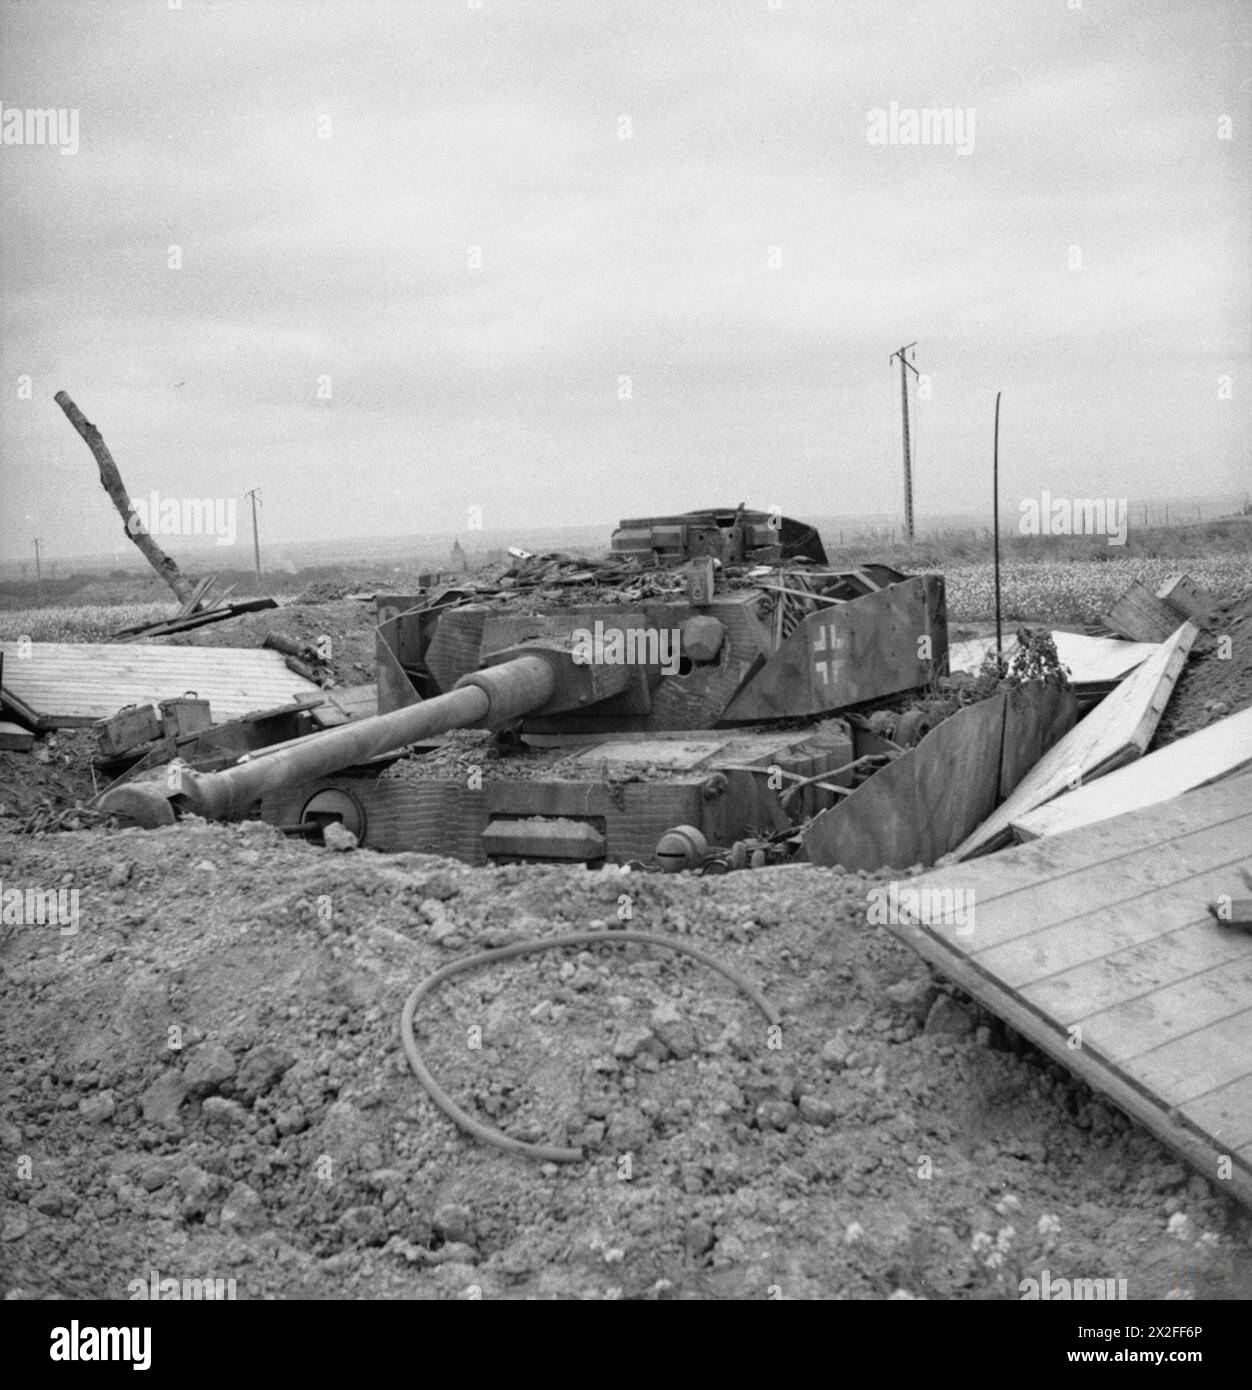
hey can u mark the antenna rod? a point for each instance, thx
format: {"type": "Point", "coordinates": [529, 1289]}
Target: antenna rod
{"type": "Point", "coordinates": [995, 509]}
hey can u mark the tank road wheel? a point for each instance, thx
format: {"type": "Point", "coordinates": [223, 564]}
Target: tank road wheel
{"type": "Point", "coordinates": [914, 725]}
{"type": "Point", "coordinates": [334, 804]}
{"type": "Point", "coordinates": [684, 847]}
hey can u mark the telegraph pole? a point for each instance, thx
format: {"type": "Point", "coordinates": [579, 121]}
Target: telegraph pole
{"type": "Point", "coordinates": [256, 543]}
{"type": "Point", "coordinates": [38, 568]}
{"type": "Point", "coordinates": [906, 367]}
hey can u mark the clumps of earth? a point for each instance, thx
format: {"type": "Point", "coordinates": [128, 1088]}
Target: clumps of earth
{"type": "Point", "coordinates": [1217, 679]}
{"type": "Point", "coordinates": [205, 1080]}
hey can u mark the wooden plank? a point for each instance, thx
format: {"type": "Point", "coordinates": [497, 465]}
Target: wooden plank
{"type": "Point", "coordinates": [212, 615]}
{"type": "Point", "coordinates": [1199, 1061]}
{"type": "Point", "coordinates": [30, 717]}
{"type": "Point", "coordinates": [1001, 875]}
{"type": "Point", "coordinates": [1184, 959]}
{"type": "Point", "coordinates": [1055, 948]}
{"type": "Point", "coordinates": [1119, 728]}
{"type": "Point", "coordinates": [73, 684]}
{"type": "Point", "coordinates": [1219, 751]}
{"type": "Point", "coordinates": [1226, 1113]}
{"type": "Point", "coordinates": [1131, 1027]}
{"type": "Point", "coordinates": [197, 594]}
{"type": "Point", "coordinates": [15, 739]}
{"type": "Point", "coordinates": [1204, 856]}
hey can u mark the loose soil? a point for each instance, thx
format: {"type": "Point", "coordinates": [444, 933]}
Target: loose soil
{"type": "Point", "coordinates": [207, 1080]}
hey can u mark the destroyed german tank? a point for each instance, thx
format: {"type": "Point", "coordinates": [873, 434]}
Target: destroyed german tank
{"type": "Point", "coordinates": [687, 702]}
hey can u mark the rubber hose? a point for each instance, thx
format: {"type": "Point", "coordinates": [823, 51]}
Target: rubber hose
{"type": "Point", "coordinates": [467, 1122]}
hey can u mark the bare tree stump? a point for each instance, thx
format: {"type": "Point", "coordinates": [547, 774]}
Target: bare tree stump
{"type": "Point", "coordinates": [111, 481]}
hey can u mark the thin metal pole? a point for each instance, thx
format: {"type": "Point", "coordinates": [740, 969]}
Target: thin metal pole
{"type": "Point", "coordinates": [908, 463]}
{"type": "Point", "coordinates": [995, 507]}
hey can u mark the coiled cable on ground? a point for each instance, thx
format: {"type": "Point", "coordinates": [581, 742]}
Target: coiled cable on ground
{"type": "Point", "coordinates": [544, 1152]}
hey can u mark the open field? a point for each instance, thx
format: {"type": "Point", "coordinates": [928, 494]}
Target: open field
{"type": "Point", "coordinates": [1063, 580]}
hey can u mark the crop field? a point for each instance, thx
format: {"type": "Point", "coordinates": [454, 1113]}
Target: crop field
{"type": "Point", "coordinates": [80, 622]}
{"type": "Point", "coordinates": [1077, 591]}
{"type": "Point", "coordinates": [1062, 591]}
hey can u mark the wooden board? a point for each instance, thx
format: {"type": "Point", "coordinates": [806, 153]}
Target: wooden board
{"type": "Point", "coordinates": [1219, 751]}
{"type": "Point", "coordinates": [1142, 617]}
{"type": "Point", "coordinates": [1102, 929]}
{"type": "Point", "coordinates": [198, 619]}
{"type": "Point", "coordinates": [1090, 660]}
{"type": "Point", "coordinates": [15, 739]}
{"type": "Point", "coordinates": [65, 685]}
{"type": "Point", "coordinates": [931, 797]}
{"type": "Point", "coordinates": [1116, 732]}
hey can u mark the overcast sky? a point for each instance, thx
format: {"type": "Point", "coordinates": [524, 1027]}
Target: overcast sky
{"type": "Point", "coordinates": [684, 194]}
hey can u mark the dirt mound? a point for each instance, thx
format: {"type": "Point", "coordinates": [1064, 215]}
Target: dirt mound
{"type": "Point", "coordinates": [49, 780]}
{"type": "Point", "coordinates": [1217, 680]}
{"type": "Point", "coordinates": [205, 1080]}
{"type": "Point", "coordinates": [348, 623]}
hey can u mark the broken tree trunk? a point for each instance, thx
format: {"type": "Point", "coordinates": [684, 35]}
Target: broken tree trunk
{"type": "Point", "coordinates": [111, 481]}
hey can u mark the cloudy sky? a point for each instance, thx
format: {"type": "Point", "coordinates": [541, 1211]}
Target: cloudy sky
{"type": "Point", "coordinates": [570, 260]}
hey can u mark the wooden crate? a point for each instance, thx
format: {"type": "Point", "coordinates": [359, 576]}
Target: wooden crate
{"type": "Point", "coordinates": [128, 728]}
{"type": "Point", "coordinates": [1141, 616]}
{"type": "Point", "coordinates": [185, 715]}
{"type": "Point", "coordinates": [1181, 593]}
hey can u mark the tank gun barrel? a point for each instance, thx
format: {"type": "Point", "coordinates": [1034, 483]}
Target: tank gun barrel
{"type": "Point", "coordinates": [487, 698]}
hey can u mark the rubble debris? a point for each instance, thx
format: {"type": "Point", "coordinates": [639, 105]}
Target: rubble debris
{"type": "Point", "coordinates": [338, 837]}
{"type": "Point", "coordinates": [302, 657]}
{"type": "Point", "coordinates": [545, 1152]}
